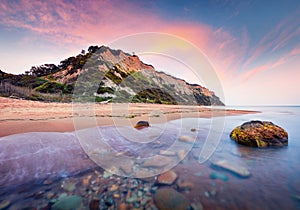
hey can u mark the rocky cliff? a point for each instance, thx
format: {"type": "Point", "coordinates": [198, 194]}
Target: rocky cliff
{"type": "Point", "coordinates": [113, 76]}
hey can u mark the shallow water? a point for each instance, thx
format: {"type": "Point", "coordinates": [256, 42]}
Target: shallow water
{"type": "Point", "coordinates": [273, 184]}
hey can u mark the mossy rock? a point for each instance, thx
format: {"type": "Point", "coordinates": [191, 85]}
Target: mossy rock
{"type": "Point", "coordinates": [259, 134]}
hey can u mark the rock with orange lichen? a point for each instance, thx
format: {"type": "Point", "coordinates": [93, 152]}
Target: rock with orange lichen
{"type": "Point", "coordinates": [260, 134]}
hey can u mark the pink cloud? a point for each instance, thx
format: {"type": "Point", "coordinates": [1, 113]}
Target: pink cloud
{"type": "Point", "coordinates": [86, 22]}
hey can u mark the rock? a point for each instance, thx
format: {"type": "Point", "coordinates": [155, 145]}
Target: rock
{"type": "Point", "coordinates": [184, 185]}
{"type": "Point", "coordinates": [141, 124]}
{"type": "Point", "coordinates": [197, 206]}
{"type": "Point", "coordinates": [259, 134]}
{"type": "Point", "coordinates": [193, 129]}
{"type": "Point", "coordinates": [86, 180]}
{"type": "Point", "coordinates": [107, 174]}
{"type": "Point", "coordinates": [236, 169]}
{"type": "Point", "coordinates": [113, 188]}
{"type": "Point", "coordinates": [4, 204]}
{"type": "Point", "coordinates": [126, 168]}
{"type": "Point", "coordinates": [94, 204]}
{"type": "Point", "coordinates": [132, 199]}
{"type": "Point", "coordinates": [167, 198]}
{"type": "Point", "coordinates": [157, 161]}
{"type": "Point", "coordinates": [69, 186]}
{"type": "Point", "coordinates": [181, 154]}
{"type": "Point", "coordinates": [167, 152]}
{"type": "Point", "coordinates": [47, 182]}
{"type": "Point", "coordinates": [187, 139]}
{"type": "Point", "coordinates": [68, 203]}
{"type": "Point", "coordinates": [122, 206]}
{"type": "Point", "coordinates": [168, 178]}
{"type": "Point", "coordinates": [217, 175]}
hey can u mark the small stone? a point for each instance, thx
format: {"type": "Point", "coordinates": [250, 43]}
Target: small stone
{"type": "Point", "coordinates": [181, 154]}
{"type": "Point", "coordinates": [197, 206]}
{"type": "Point", "coordinates": [126, 168]}
{"type": "Point", "coordinates": [47, 182]}
{"type": "Point", "coordinates": [50, 195]}
{"type": "Point", "coordinates": [94, 204]}
{"type": "Point", "coordinates": [167, 198]}
{"type": "Point", "coordinates": [236, 169]}
{"type": "Point", "coordinates": [145, 201]}
{"type": "Point", "coordinates": [107, 174]}
{"type": "Point", "coordinates": [116, 195]}
{"type": "Point", "coordinates": [68, 203]}
{"type": "Point", "coordinates": [4, 204]}
{"type": "Point", "coordinates": [69, 186]}
{"type": "Point", "coordinates": [141, 124]}
{"type": "Point", "coordinates": [184, 185]}
{"type": "Point", "coordinates": [157, 161]}
{"type": "Point", "coordinates": [168, 178]}
{"type": "Point", "coordinates": [217, 175]}
{"type": "Point", "coordinates": [198, 173]}
{"type": "Point", "coordinates": [167, 152]}
{"type": "Point", "coordinates": [193, 129]}
{"type": "Point", "coordinates": [86, 180]}
{"type": "Point", "coordinates": [113, 188]}
{"type": "Point", "coordinates": [187, 139]}
{"type": "Point", "coordinates": [122, 206]}
{"type": "Point", "coordinates": [132, 199]}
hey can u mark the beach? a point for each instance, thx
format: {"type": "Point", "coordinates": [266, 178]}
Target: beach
{"type": "Point", "coordinates": [21, 116]}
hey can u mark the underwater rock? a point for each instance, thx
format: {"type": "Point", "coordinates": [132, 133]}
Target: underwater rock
{"type": "Point", "coordinates": [260, 134]}
{"type": "Point", "coordinates": [236, 169]}
{"type": "Point", "coordinates": [168, 178]}
{"type": "Point", "coordinates": [4, 204]}
{"type": "Point", "coordinates": [167, 198]}
{"type": "Point", "coordinates": [217, 175]}
{"type": "Point", "coordinates": [68, 203]}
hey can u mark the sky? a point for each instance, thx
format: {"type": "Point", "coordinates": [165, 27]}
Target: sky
{"type": "Point", "coordinates": [253, 45]}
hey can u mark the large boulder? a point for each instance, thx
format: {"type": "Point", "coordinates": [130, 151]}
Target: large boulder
{"type": "Point", "coordinates": [259, 134]}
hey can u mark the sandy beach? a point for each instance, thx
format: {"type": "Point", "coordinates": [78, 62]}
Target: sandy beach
{"type": "Point", "coordinates": [21, 116]}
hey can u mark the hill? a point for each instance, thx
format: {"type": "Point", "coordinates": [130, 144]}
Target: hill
{"type": "Point", "coordinates": [109, 76]}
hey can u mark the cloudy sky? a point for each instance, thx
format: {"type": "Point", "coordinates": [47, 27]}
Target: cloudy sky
{"type": "Point", "coordinates": [253, 45]}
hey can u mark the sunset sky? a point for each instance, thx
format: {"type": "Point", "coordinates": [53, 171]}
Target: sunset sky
{"type": "Point", "coordinates": [253, 45]}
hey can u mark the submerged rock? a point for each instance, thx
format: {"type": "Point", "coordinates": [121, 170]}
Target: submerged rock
{"type": "Point", "coordinates": [236, 169]}
{"type": "Point", "coordinates": [259, 134]}
{"type": "Point", "coordinates": [167, 198]}
{"type": "Point", "coordinates": [217, 175]}
{"type": "Point", "coordinates": [4, 204]}
{"type": "Point", "coordinates": [168, 178]}
{"type": "Point", "coordinates": [68, 203]}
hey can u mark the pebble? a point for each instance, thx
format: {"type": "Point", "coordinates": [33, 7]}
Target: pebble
{"type": "Point", "coordinates": [193, 129]}
{"type": "Point", "coordinates": [94, 204]}
{"type": "Point", "coordinates": [107, 174]}
{"type": "Point", "coordinates": [217, 175]}
{"type": "Point", "coordinates": [187, 139]}
{"type": "Point", "coordinates": [185, 185]}
{"type": "Point", "coordinates": [197, 206]}
{"type": "Point", "coordinates": [47, 182]}
{"type": "Point", "coordinates": [167, 152]}
{"type": "Point", "coordinates": [168, 178]}
{"type": "Point", "coordinates": [4, 204]}
{"type": "Point", "coordinates": [113, 188]}
{"type": "Point", "coordinates": [69, 186]}
{"type": "Point", "coordinates": [132, 199]}
{"type": "Point", "coordinates": [122, 206]}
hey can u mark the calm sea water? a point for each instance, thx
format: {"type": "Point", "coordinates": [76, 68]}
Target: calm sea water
{"type": "Point", "coordinates": [275, 172]}
{"type": "Point", "coordinates": [275, 180]}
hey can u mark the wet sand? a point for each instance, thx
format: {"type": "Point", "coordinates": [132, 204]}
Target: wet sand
{"type": "Point", "coordinates": [21, 116]}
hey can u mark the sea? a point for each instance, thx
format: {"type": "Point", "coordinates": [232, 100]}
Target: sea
{"type": "Point", "coordinates": [273, 183]}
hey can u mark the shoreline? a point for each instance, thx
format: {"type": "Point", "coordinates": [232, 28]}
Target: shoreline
{"type": "Point", "coordinates": [22, 116]}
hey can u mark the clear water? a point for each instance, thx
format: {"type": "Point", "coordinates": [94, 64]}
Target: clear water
{"type": "Point", "coordinates": [275, 172]}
